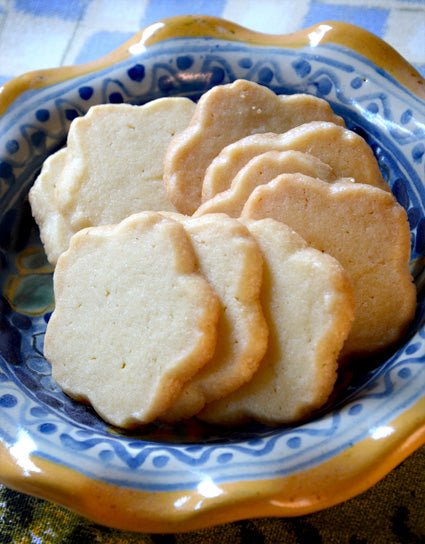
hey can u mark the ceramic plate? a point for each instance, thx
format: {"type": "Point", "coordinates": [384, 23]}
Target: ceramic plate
{"type": "Point", "coordinates": [190, 476]}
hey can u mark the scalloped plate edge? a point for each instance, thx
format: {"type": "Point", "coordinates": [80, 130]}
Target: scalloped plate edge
{"type": "Point", "coordinates": [211, 504]}
{"type": "Point", "coordinates": [356, 38]}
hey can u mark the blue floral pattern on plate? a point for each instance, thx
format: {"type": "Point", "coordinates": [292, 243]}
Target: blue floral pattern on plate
{"type": "Point", "coordinates": [36, 417]}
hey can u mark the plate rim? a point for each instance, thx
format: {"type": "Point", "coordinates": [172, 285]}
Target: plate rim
{"type": "Point", "coordinates": [348, 35]}
{"type": "Point", "coordinates": [133, 510]}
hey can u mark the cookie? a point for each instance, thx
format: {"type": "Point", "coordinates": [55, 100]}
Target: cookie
{"type": "Point", "coordinates": [262, 169]}
{"type": "Point", "coordinates": [308, 303]}
{"type": "Point", "coordinates": [231, 261]}
{"type": "Point", "coordinates": [114, 163]}
{"type": "Point", "coordinates": [134, 319]}
{"type": "Point", "coordinates": [223, 115]}
{"type": "Point", "coordinates": [347, 153]}
{"type": "Point", "coordinates": [55, 232]}
{"type": "Point", "coordinates": [367, 231]}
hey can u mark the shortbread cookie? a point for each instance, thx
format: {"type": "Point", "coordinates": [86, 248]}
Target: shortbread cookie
{"type": "Point", "coordinates": [133, 321]}
{"type": "Point", "coordinates": [115, 157]}
{"type": "Point", "coordinates": [347, 153]}
{"type": "Point", "coordinates": [55, 233]}
{"type": "Point", "coordinates": [223, 115]}
{"type": "Point", "coordinates": [231, 261]}
{"type": "Point", "coordinates": [308, 302]}
{"type": "Point", "coordinates": [262, 169]}
{"type": "Point", "coordinates": [367, 231]}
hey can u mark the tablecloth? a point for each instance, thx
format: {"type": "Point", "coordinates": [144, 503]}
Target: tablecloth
{"type": "Point", "coordinates": [48, 33]}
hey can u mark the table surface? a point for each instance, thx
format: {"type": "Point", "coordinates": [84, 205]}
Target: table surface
{"type": "Point", "coordinates": [48, 33]}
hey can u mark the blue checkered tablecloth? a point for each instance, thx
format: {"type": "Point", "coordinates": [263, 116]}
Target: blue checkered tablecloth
{"type": "Point", "coordinates": [48, 33]}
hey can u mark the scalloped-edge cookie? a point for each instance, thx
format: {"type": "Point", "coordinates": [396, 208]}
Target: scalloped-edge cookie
{"type": "Point", "coordinates": [347, 153]}
{"type": "Point", "coordinates": [55, 232]}
{"type": "Point", "coordinates": [231, 261]}
{"type": "Point", "coordinates": [367, 231]}
{"type": "Point", "coordinates": [114, 163]}
{"type": "Point", "coordinates": [134, 319]}
{"type": "Point", "coordinates": [225, 114]}
{"type": "Point", "coordinates": [308, 303]}
{"type": "Point", "coordinates": [262, 169]}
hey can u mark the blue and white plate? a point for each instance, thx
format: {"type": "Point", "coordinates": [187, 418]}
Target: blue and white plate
{"type": "Point", "coordinates": [161, 478]}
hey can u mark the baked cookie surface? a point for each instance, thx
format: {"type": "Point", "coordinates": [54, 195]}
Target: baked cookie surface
{"type": "Point", "coordinates": [231, 261]}
{"type": "Point", "coordinates": [262, 169]}
{"type": "Point", "coordinates": [55, 232]}
{"type": "Point", "coordinates": [114, 163]}
{"type": "Point", "coordinates": [347, 153]}
{"type": "Point", "coordinates": [223, 115]}
{"type": "Point", "coordinates": [367, 231]}
{"type": "Point", "coordinates": [133, 321]}
{"type": "Point", "coordinates": [308, 303]}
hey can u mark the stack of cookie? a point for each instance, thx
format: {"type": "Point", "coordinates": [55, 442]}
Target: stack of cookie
{"type": "Point", "coordinates": [218, 260]}
{"type": "Point", "coordinates": [111, 167]}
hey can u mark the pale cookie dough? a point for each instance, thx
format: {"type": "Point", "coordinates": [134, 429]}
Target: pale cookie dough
{"type": "Point", "coordinates": [262, 169]}
{"type": "Point", "coordinates": [347, 153]}
{"type": "Point", "coordinates": [114, 164]}
{"type": "Point", "coordinates": [55, 233]}
{"type": "Point", "coordinates": [134, 319]}
{"type": "Point", "coordinates": [367, 231]}
{"type": "Point", "coordinates": [231, 261]}
{"type": "Point", "coordinates": [224, 114]}
{"type": "Point", "coordinates": [308, 302]}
